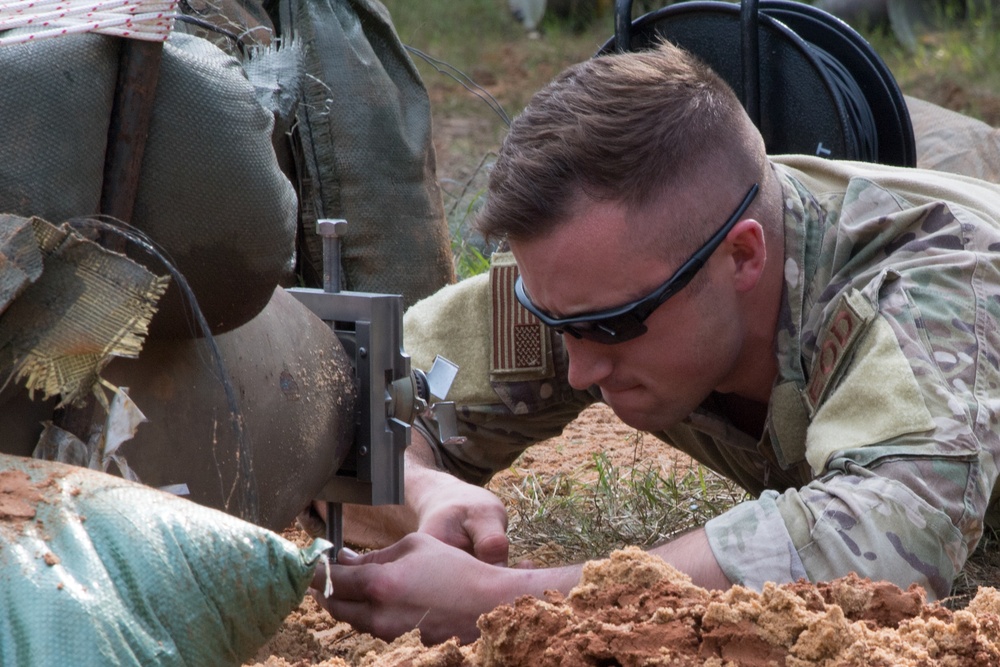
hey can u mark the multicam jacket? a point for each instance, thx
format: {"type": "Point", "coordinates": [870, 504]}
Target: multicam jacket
{"type": "Point", "coordinates": [882, 442]}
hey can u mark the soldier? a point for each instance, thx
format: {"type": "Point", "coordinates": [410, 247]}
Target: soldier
{"type": "Point", "coordinates": [822, 332]}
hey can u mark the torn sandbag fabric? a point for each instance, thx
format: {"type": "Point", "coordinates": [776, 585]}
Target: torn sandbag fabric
{"type": "Point", "coordinates": [86, 306]}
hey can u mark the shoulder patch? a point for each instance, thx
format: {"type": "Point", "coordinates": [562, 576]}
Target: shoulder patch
{"type": "Point", "coordinates": [520, 346]}
{"type": "Point", "coordinates": [852, 316]}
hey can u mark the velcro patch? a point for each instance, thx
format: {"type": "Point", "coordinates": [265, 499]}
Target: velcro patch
{"type": "Point", "coordinates": [520, 342]}
{"type": "Point", "coordinates": [851, 319]}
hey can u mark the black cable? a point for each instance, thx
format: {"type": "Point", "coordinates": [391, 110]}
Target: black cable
{"type": "Point", "coordinates": [750, 53]}
{"type": "Point", "coordinates": [211, 27]}
{"type": "Point", "coordinates": [848, 93]}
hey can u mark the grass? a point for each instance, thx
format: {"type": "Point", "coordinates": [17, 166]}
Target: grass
{"type": "Point", "coordinates": [952, 64]}
{"type": "Point", "coordinates": [564, 518]}
{"type": "Point", "coordinates": [981, 569]}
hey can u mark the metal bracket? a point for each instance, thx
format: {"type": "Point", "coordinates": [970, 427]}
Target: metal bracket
{"type": "Point", "coordinates": [370, 327]}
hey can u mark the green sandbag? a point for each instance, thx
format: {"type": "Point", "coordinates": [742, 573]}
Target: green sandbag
{"type": "Point", "coordinates": [365, 128]}
{"type": "Point", "coordinates": [211, 193]}
{"type": "Point", "coordinates": [96, 570]}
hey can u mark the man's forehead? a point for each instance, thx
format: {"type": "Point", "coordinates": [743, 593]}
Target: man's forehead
{"type": "Point", "coordinates": [584, 266]}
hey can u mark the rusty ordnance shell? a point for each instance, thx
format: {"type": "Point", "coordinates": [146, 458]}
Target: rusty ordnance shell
{"type": "Point", "coordinates": [295, 388]}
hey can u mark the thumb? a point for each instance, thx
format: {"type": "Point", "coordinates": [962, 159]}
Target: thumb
{"type": "Point", "coordinates": [346, 556]}
{"type": "Point", "coordinates": [493, 548]}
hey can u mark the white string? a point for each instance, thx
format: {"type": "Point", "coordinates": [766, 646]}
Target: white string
{"type": "Point", "coordinates": [328, 587]}
{"type": "Point", "coordinates": [148, 20]}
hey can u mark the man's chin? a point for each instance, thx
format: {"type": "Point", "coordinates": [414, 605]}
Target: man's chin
{"type": "Point", "coordinates": [638, 419]}
{"type": "Point", "coordinates": [641, 417]}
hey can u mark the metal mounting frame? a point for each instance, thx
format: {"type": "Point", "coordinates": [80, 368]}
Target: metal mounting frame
{"type": "Point", "coordinates": [370, 327]}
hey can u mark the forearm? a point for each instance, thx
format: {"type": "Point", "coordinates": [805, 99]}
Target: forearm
{"type": "Point", "coordinates": [689, 553]}
{"type": "Point", "coordinates": [421, 474]}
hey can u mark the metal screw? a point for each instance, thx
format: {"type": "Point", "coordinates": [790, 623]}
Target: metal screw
{"type": "Point", "coordinates": [331, 227]}
{"type": "Point", "coordinates": [331, 230]}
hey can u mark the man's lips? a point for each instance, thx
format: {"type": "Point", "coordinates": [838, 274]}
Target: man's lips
{"type": "Point", "coordinates": [618, 388]}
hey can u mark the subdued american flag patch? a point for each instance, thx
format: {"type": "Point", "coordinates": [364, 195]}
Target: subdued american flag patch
{"type": "Point", "coordinates": [520, 343]}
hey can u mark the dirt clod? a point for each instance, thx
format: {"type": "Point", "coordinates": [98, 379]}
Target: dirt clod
{"type": "Point", "coordinates": [633, 609]}
{"type": "Point", "coordinates": [18, 496]}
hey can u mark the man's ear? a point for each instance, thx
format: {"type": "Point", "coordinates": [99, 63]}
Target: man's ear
{"type": "Point", "coordinates": [748, 253]}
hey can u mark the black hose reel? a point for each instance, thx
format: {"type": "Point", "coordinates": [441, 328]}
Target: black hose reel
{"type": "Point", "coordinates": [810, 82]}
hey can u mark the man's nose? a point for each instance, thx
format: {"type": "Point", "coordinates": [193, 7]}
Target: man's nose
{"type": "Point", "coordinates": [589, 363]}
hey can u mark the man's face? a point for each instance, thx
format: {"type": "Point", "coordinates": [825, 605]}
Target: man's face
{"type": "Point", "coordinates": [693, 341]}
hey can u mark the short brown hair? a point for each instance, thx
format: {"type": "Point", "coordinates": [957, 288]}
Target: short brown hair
{"type": "Point", "coordinates": [617, 127]}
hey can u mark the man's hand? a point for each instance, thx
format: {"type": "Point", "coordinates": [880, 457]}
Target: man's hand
{"type": "Point", "coordinates": [457, 513]}
{"type": "Point", "coordinates": [419, 582]}
{"type": "Point", "coordinates": [437, 503]}
{"type": "Point", "coordinates": [467, 517]}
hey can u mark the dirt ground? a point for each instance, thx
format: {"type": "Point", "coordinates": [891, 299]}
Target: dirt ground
{"type": "Point", "coordinates": [636, 610]}
{"type": "Point", "coordinates": [310, 636]}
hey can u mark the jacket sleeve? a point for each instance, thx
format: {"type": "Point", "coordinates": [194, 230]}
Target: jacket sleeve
{"type": "Point", "coordinates": [903, 447]}
{"type": "Point", "coordinates": [497, 417]}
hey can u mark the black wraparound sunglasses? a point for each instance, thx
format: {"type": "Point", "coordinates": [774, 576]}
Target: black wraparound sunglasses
{"type": "Point", "coordinates": [617, 325]}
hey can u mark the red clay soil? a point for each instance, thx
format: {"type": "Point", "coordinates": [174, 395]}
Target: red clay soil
{"type": "Point", "coordinates": [633, 609]}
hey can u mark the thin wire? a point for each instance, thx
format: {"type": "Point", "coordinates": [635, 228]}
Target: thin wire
{"type": "Point", "coordinates": [465, 81]}
{"type": "Point", "coordinates": [468, 183]}
{"type": "Point", "coordinates": [208, 25]}
{"type": "Point", "coordinates": [249, 509]}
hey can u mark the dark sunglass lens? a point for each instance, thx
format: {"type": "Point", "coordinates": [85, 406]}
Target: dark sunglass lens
{"type": "Point", "coordinates": [584, 331]}
{"type": "Point", "coordinates": [599, 332]}
{"type": "Point", "coordinates": [621, 329]}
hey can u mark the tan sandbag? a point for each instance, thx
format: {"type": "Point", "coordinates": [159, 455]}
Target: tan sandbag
{"type": "Point", "coordinates": [952, 142]}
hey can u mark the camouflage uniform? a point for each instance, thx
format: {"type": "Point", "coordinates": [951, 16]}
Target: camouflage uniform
{"type": "Point", "coordinates": [881, 446]}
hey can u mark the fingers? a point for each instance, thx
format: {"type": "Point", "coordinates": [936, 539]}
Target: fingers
{"type": "Point", "coordinates": [319, 577]}
{"type": "Point", "coordinates": [357, 613]}
{"type": "Point", "coordinates": [346, 556]}
{"type": "Point", "coordinates": [353, 576]}
{"type": "Point", "coordinates": [347, 583]}
{"type": "Point", "coordinates": [488, 531]}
